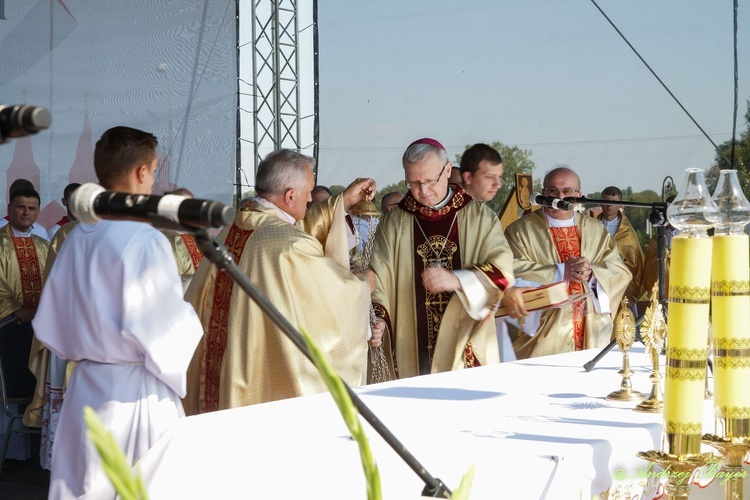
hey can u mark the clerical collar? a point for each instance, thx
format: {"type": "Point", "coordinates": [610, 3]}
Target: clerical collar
{"type": "Point", "coordinates": [445, 200]}
{"type": "Point", "coordinates": [552, 222]}
{"type": "Point", "coordinates": [21, 234]}
{"type": "Point", "coordinates": [282, 215]}
{"type": "Point", "coordinates": [611, 225]}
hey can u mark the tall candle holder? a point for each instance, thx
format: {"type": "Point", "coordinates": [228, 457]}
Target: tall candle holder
{"type": "Point", "coordinates": [730, 300]}
{"type": "Point", "coordinates": [693, 213]}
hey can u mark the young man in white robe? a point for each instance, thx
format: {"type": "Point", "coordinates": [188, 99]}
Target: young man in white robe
{"type": "Point", "coordinates": [113, 303]}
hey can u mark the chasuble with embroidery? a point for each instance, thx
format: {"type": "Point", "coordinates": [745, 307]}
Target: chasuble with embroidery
{"type": "Point", "coordinates": [52, 372]}
{"type": "Point", "coordinates": [436, 332]}
{"type": "Point", "coordinates": [630, 250]}
{"type": "Point", "coordinates": [244, 358]}
{"type": "Point", "coordinates": [186, 253]}
{"type": "Point", "coordinates": [537, 254]}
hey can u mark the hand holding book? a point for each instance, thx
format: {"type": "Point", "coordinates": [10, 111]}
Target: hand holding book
{"type": "Point", "coordinates": [553, 295]}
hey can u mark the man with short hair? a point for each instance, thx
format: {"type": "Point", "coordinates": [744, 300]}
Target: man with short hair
{"type": "Point", "coordinates": [318, 194]}
{"type": "Point", "coordinates": [25, 184]}
{"type": "Point", "coordinates": [482, 172]}
{"type": "Point", "coordinates": [132, 334]}
{"type": "Point", "coordinates": [22, 259]}
{"type": "Point", "coordinates": [455, 177]}
{"type": "Point", "coordinates": [619, 227]}
{"type": "Point", "coordinates": [552, 245]}
{"type": "Point", "coordinates": [390, 201]}
{"type": "Point", "coordinates": [299, 259]}
{"type": "Point", "coordinates": [441, 266]}
{"type": "Point", "coordinates": [69, 217]}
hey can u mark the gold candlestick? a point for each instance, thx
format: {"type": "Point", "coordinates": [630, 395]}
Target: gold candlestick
{"type": "Point", "coordinates": [656, 330]}
{"type": "Point", "coordinates": [625, 335]}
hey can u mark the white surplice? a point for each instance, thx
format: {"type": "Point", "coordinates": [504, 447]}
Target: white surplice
{"type": "Point", "coordinates": [113, 303]}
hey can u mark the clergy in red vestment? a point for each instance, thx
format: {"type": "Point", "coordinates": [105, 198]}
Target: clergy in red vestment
{"type": "Point", "coordinates": [442, 266]}
{"type": "Point", "coordinates": [556, 245]}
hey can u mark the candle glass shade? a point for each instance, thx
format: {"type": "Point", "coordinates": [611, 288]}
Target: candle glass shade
{"type": "Point", "coordinates": [733, 206]}
{"type": "Point", "coordinates": [693, 211]}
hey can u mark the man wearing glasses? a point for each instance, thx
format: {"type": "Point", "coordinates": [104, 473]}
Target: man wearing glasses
{"type": "Point", "coordinates": [557, 245]}
{"type": "Point", "coordinates": [441, 266]}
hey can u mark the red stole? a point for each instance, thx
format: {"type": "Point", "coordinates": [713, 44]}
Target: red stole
{"type": "Point", "coordinates": [28, 265]}
{"type": "Point", "coordinates": [195, 253]}
{"type": "Point", "coordinates": [216, 337]}
{"type": "Point", "coordinates": [568, 244]}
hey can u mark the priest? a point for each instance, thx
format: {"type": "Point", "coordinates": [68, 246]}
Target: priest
{"type": "Point", "coordinates": [441, 267]}
{"type": "Point", "coordinates": [299, 259]}
{"type": "Point", "coordinates": [552, 245]}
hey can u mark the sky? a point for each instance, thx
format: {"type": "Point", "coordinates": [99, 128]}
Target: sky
{"type": "Point", "coordinates": [547, 76]}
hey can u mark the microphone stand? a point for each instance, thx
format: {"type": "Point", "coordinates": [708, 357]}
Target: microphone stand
{"type": "Point", "coordinates": [658, 219]}
{"type": "Point", "coordinates": [220, 256]}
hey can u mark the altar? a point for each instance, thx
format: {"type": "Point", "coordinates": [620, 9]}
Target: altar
{"type": "Point", "coordinates": [538, 428]}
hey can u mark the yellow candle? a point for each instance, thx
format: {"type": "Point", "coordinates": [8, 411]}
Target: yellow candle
{"type": "Point", "coordinates": [730, 303]}
{"type": "Point", "coordinates": [687, 338]}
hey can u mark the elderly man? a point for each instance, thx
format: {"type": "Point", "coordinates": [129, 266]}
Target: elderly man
{"type": "Point", "coordinates": [441, 265]}
{"type": "Point", "coordinates": [619, 227]}
{"type": "Point", "coordinates": [482, 172]}
{"type": "Point", "coordinates": [556, 245]}
{"type": "Point", "coordinates": [245, 358]}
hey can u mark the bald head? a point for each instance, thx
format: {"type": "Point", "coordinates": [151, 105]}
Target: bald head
{"type": "Point", "coordinates": [561, 182]}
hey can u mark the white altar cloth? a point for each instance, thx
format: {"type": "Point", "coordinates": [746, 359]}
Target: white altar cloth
{"type": "Point", "coordinates": [537, 428]}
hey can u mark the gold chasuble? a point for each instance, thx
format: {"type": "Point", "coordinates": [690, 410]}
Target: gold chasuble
{"type": "Point", "coordinates": [21, 270]}
{"type": "Point", "coordinates": [244, 358]}
{"type": "Point", "coordinates": [21, 277]}
{"type": "Point", "coordinates": [536, 257]}
{"type": "Point", "coordinates": [433, 332]}
{"type": "Point", "coordinates": [39, 357]}
{"type": "Point", "coordinates": [186, 253]}
{"type": "Point", "coordinates": [630, 250]}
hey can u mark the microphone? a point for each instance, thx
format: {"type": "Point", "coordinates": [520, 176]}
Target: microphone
{"type": "Point", "coordinates": [537, 199]}
{"type": "Point", "coordinates": [22, 120]}
{"type": "Point", "coordinates": [91, 203]}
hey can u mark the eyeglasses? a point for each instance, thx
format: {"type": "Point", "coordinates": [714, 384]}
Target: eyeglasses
{"type": "Point", "coordinates": [428, 183]}
{"type": "Point", "coordinates": [564, 192]}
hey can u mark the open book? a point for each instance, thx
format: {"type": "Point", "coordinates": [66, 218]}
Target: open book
{"type": "Point", "coordinates": [542, 297]}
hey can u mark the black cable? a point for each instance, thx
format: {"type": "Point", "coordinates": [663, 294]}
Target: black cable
{"type": "Point", "coordinates": [718, 151]}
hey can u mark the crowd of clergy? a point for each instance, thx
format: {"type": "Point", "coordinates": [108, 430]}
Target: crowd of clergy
{"type": "Point", "coordinates": [135, 323]}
